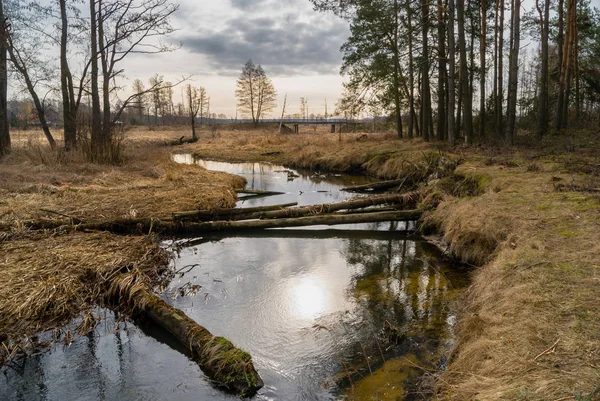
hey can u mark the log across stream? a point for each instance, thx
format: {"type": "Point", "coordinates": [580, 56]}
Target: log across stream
{"type": "Point", "coordinates": [308, 303]}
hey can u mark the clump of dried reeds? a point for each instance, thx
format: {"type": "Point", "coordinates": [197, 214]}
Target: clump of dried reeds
{"type": "Point", "coordinates": [148, 184]}
{"type": "Point", "coordinates": [48, 279]}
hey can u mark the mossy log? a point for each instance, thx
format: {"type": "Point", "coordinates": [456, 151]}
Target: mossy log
{"type": "Point", "coordinates": [406, 200]}
{"type": "Point", "coordinates": [228, 214]}
{"type": "Point", "coordinates": [221, 361]}
{"type": "Point", "coordinates": [379, 186]}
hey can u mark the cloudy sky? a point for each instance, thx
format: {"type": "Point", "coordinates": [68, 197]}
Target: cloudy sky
{"type": "Point", "coordinates": [297, 46]}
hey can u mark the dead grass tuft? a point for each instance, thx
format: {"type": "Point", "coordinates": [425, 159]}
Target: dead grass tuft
{"type": "Point", "coordinates": [148, 184]}
{"type": "Point", "coordinates": [48, 279]}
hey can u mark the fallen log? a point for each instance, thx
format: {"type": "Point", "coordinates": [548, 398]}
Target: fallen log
{"type": "Point", "coordinates": [378, 186]}
{"type": "Point", "coordinates": [228, 214]}
{"type": "Point", "coordinates": [183, 140]}
{"type": "Point", "coordinates": [147, 226]}
{"type": "Point", "coordinates": [220, 360]}
{"type": "Point", "coordinates": [257, 192]}
{"type": "Point", "coordinates": [370, 210]}
{"type": "Point", "coordinates": [407, 200]}
{"type": "Point", "coordinates": [327, 220]}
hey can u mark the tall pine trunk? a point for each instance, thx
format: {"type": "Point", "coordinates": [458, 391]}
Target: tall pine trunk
{"type": "Point", "coordinates": [465, 90]}
{"type": "Point", "coordinates": [560, 39]}
{"type": "Point", "coordinates": [441, 108]}
{"type": "Point", "coordinates": [451, 74]}
{"type": "Point", "coordinates": [543, 106]}
{"type": "Point", "coordinates": [500, 75]}
{"type": "Point", "coordinates": [411, 74]}
{"type": "Point", "coordinates": [513, 73]}
{"type": "Point", "coordinates": [425, 89]}
{"type": "Point", "coordinates": [396, 53]}
{"type": "Point", "coordinates": [482, 46]}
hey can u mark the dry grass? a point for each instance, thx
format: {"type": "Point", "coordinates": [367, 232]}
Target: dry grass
{"type": "Point", "coordinates": [378, 154]}
{"type": "Point", "coordinates": [540, 285]}
{"type": "Point", "coordinates": [49, 279]}
{"type": "Point", "coordinates": [148, 184]}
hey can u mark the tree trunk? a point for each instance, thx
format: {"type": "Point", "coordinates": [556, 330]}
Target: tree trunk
{"type": "Point", "coordinates": [106, 78]}
{"type": "Point", "coordinates": [569, 57]}
{"type": "Point", "coordinates": [482, 47]}
{"type": "Point", "coordinates": [560, 40]}
{"type": "Point", "coordinates": [576, 70]}
{"type": "Point", "coordinates": [425, 90]}
{"type": "Point", "coordinates": [513, 73]}
{"type": "Point", "coordinates": [465, 91]}
{"type": "Point", "coordinates": [543, 116]}
{"type": "Point", "coordinates": [396, 58]}
{"type": "Point", "coordinates": [411, 73]}
{"type": "Point", "coordinates": [4, 117]}
{"type": "Point", "coordinates": [441, 108]}
{"type": "Point", "coordinates": [66, 85]}
{"type": "Point", "coordinates": [500, 58]}
{"type": "Point", "coordinates": [97, 146]}
{"type": "Point", "coordinates": [451, 74]}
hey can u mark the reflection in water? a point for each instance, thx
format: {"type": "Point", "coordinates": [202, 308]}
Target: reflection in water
{"type": "Point", "coordinates": [326, 314]}
{"type": "Point", "coordinates": [310, 298]}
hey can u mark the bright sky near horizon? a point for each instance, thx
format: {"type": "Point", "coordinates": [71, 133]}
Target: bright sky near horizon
{"type": "Point", "coordinates": [297, 46]}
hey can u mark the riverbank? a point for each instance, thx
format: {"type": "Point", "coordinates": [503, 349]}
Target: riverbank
{"type": "Point", "coordinates": [52, 277]}
{"type": "Point", "coordinates": [528, 217]}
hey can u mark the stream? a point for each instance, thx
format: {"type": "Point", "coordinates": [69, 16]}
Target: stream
{"type": "Point", "coordinates": [351, 312]}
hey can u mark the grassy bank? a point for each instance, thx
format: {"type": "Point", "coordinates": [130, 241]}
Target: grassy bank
{"type": "Point", "coordinates": [528, 217]}
{"type": "Point", "coordinates": [50, 277]}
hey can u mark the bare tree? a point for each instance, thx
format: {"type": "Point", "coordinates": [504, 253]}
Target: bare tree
{"type": "Point", "coordinates": [255, 92]}
{"type": "Point", "coordinates": [120, 28]}
{"type": "Point", "coordinates": [194, 106]}
{"type": "Point", "coordinates": [139, 103]}
{"type": "Point", "coordinates": [21, 64]}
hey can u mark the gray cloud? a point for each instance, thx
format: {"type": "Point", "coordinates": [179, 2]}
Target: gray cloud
{"type": "Point", "coordinates": [284, 43]}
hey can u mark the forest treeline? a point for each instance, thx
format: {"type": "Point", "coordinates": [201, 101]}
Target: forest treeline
{"type": "Point", "coordinates": [427, 63]}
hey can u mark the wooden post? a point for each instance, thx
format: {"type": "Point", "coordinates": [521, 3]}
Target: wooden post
{"type": "Point", "coordinates": [333, 128]}
{"type": "Point", "coordinates": [296, 128]}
